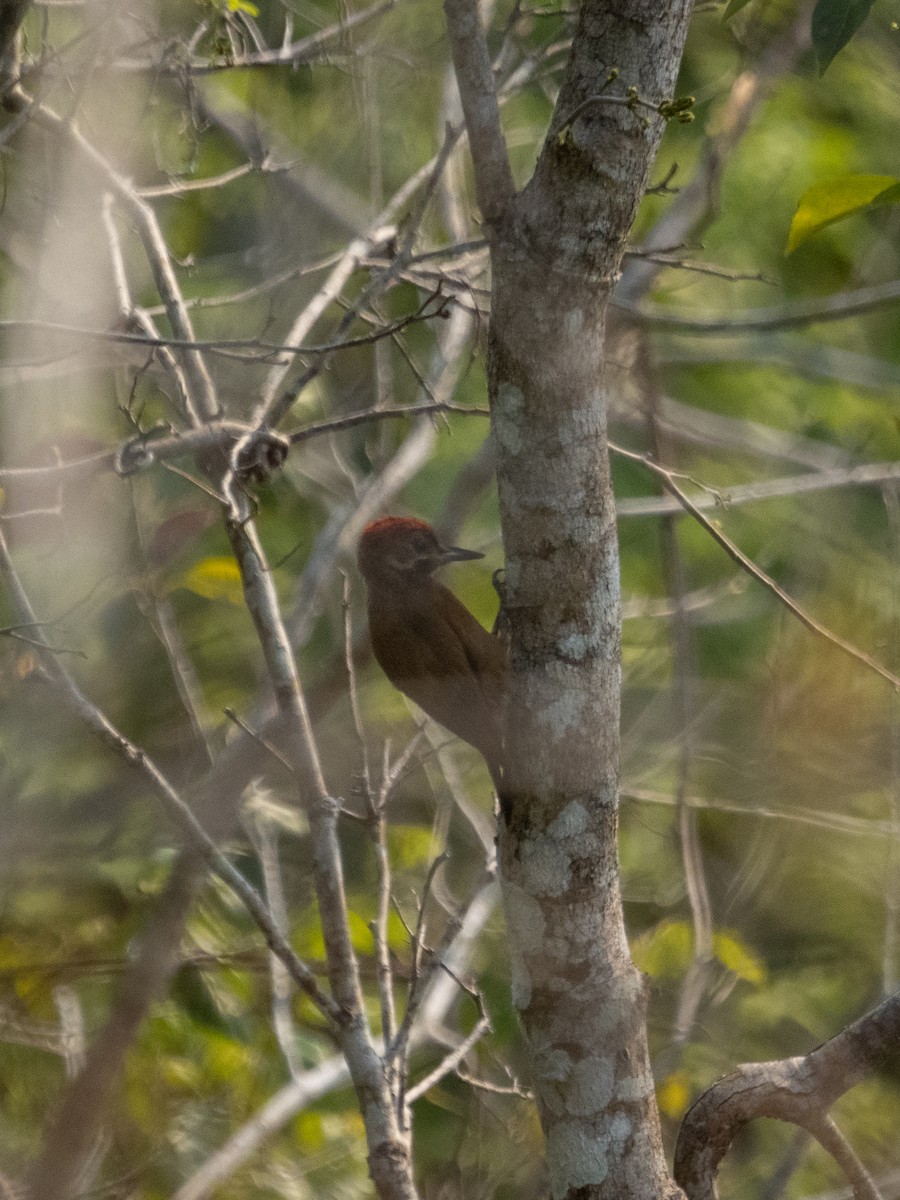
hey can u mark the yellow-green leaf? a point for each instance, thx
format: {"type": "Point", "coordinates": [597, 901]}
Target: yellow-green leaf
{"type": "Point", "coordinates": [834, 199]}
{"type": "Point", "coordinates": [243, 6]}
{"type": "Point", "coordinates": [309, 1132]}
{"type": "Point", "coordinates": [213, 579]}
{"type": "Point", "coordinates": [664, 952]}
{"type": "Point", "coordinates": [673, 1094]}
{"type": "Point", "coordinates": [410, 845]}
{"type": "Point", "coordinates": [360, 933]}
{"type": "Point", "coordinates": [736, 956]}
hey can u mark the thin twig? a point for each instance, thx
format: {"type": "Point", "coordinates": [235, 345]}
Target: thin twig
{"type": "Point", "coordinates": [790, 316]}
{"type": "Point", "coordinates": [266, 841]}
{"type": "Point", "coordinates": [751, 568]}
{"type": "Point", "coordinates": [180, 187]}
{"type": "Point", "coordinates": [494, 1089]}
{"type": "Point", "coordinates": [837, 823]}
{"type": "Point", "coordinates": [133, 313]}
{"type": "Point", "coordinates": [271, 410]}
{"type": "Point", "coordinates": [422, 973]}
{"type": "Point", "coordinates": [177, 808]}
{"type": "Point", "coordinates": [379, 927]}
{"type": "Point", "coordinates": [451, 1062]}
{"type": "Point", "coordinates": [257, 348]}
{"type": "Point", "coordinates": [302, 51]}
{"type": "Point", "coordinates": [259, 739]}
{"type": "Point", "coordinates": [766, 489]}
{"type": "Point", "coordinates": [392, 772]}
{"type": "Point", "coordinates": [203, 403]}
{"type": "Point", "coordinates": [432, 408]}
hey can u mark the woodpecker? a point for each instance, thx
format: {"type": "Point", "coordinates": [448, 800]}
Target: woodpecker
{"type": "Point", "coordinates": [429, 645]}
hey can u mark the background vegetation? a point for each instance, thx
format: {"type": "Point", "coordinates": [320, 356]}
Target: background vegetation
{"type": "Point", "coordinates": [786, 750]}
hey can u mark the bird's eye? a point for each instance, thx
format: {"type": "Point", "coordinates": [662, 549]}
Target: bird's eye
{"type": "Point", "coordinates": [422, 543]}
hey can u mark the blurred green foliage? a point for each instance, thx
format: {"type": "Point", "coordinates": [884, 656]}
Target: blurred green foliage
{"type": "Point", "coordinates": [793, 751]}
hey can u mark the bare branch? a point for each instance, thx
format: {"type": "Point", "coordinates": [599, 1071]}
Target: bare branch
{"type": "Point", "coordinates": [331, 1074]}
{"type": "Point", "coordinates": [837, 823]}
{"type": "Point", "coordinates": [265, 837]}
{"type": "Point", "coordinates": [257, 348]}
{"type": "Point", "coordinates": [752, 569]}
{"type": "Point", "coordinates": [386, 1133]}
{"type": "Point", "coordinates": [204, 405]}
{"type": "Point", "coordinates": [767, 489]}
{"type": "Point", "coordinates": [271, 411]}
{"type": "Point", "coordinates": [790, 316]}
{"type": "Point", "coordinates": [475, 77]}
{"type": "Point", "coordinates": [374, 415]}
{"type": "Point", "coordinates": [451, 1062]}
{"type": "Point", "coordinates": [798, 1090]}
{"type": "Point", "coordinates": [176, 807]}
{"type": "Point", "coordinates": [303, 50]}
{"type": "Point", "coordinates": [830, 1138]}
{"type": "Point", "coordinates": [180, 187]}
{"type": "Point", "coordinates": [426, 965]}
{"type": "Point", "coordinates": [134, 314]}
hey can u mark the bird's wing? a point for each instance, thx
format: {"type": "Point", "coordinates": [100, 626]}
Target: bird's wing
{"type": "Point", "coordinates": [440, 659]}
{"type": "Point", "coordinates": [484, 652]}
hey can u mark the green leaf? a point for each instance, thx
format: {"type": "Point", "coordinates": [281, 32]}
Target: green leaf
{"type": "Point", "coordinates": [410, 846]}
{"type": "Point", "coordinates": [834, 23]}
{"type": "Point", "coordinates": [834, 199]}
{"type": "Point", "coordinates": [213, 579]}
{"type": "Point", "coordinates": [739, 958]}
{"type": "Point", "coordinates": [732, 7]}
{"type": "Point", "coordinates": [243, 6]}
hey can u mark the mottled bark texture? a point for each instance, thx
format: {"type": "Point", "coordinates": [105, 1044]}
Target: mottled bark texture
{"type": "Point", "coordinates": [556, 249]}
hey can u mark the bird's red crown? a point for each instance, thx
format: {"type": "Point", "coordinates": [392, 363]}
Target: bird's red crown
{"type": "Point", "coordinates": [389, 525]}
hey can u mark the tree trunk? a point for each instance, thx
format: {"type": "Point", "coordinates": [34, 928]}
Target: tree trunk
{"type": "Point", "coordinates": [556, 250]}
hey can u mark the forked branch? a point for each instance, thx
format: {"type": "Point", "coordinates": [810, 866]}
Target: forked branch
{"type": "Point", "coordinates": [797, 1090]}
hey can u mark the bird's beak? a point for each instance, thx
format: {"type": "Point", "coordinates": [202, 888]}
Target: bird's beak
{"type": "Point", "coordinates": [457, 554]}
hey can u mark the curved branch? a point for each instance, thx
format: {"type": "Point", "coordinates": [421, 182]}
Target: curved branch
{"type": "Point", "coordinates": [798, 1090]}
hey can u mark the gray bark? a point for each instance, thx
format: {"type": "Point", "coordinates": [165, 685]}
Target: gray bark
{"type": "Point", "coordinates": [556, 248]}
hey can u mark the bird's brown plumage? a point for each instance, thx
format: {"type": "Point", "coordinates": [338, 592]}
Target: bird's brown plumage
{"type": "Point", "coordinates": [428, 643]}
